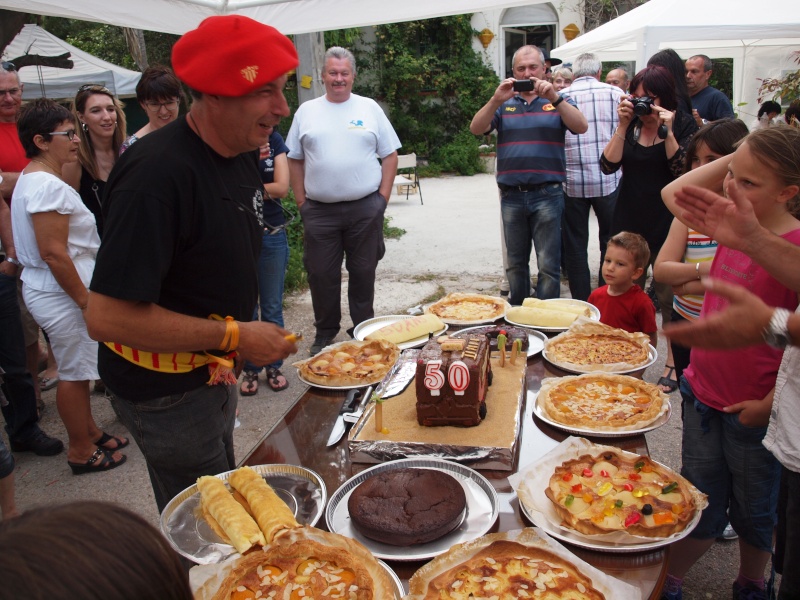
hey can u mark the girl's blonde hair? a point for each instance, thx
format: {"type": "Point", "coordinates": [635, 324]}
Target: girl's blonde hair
{"type": "Point", "coordinates": [779, 147]}
{"type": "Point", "coordinates": [85, 148]}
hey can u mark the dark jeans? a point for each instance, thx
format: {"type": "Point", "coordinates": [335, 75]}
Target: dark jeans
{"type": "Point", "coordinates": [575, 231]}
{"type": "Point", "coordinates": [333, 231]}
{"type": "Point", "coordinates": [787, 544]}
{"type": "Point", "coordinates": [182, 437]}
{"type": "Point", "coordinates": [532, 219]}
{"type": "Point", "coordinates": [20, 412]}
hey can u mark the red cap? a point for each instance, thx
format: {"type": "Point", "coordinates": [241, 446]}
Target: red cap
{"type": "Point", "coordinates": [232, 55]}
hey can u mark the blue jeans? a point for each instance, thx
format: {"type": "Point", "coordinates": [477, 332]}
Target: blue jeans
{"type": "Point", "coordinates": [20, 412]}
{"type": "Point", "coordinates": [183, 436]}
{"type": "Point", "coordinates": [533, 219]}
{"type": "Point", "coordinates": [272, 264]}
{"type": "Point", "coordinates": [575, 229]}
{"type": "Point", "coordinates": [727, 461]}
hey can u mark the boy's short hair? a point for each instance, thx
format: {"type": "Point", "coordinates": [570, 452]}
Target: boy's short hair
{"type": "Point", "coordinates": [635, 244]}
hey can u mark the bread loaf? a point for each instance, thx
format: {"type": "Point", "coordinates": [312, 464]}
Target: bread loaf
{"type": "Point", "coordinates": [407, 329]}
{"type": "Point", "coordinates": [564, 306]}
{"type": "Point", "coordinates": [269, 510]}
{"type": "Point", "coordinates": [231, 516]}
{"type": "Point", "coordinates": [528, 315]}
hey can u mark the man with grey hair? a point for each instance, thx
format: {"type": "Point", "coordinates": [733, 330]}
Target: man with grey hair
{"type": "Point", "coordinates": [341, 191]}
{"type": "Point", "coordinates": [708, 103]}
{"type": "Point", "coordinates": [587, 187]}
{"type": "Point", "coordinates": [618, 77]}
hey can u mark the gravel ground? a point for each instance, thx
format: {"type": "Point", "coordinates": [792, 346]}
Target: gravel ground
{"type": "Point", "coordinates": [451, 244]}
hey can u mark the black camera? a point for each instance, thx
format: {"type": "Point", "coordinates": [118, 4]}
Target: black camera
{"type": "Point", "coordinates": [642, 106]}
{"type": "Point", "coordinates": [523, 85]}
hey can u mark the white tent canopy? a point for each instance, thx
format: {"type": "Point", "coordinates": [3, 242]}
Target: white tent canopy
{"type": "Point", "coordinates": [52, 82]}
{"type": "Point", "coordinates": [288, 16]}
{"type": "Point", "coordinates": [759, 38]}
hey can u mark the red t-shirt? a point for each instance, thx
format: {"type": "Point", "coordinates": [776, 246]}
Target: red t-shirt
{"type": "Point", "coordinates": [12, 156]}
{"type": "Point", "coordinates": [633, 311]}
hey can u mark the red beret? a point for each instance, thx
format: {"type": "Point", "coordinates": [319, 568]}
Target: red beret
{"type": "Point", "coordinates": [232, 55]}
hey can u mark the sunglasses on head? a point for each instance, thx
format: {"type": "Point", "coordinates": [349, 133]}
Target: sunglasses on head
{"type": "Point", "coordinates": [94, 87]}
{"type": "Point", "coordinates": [8, 66]}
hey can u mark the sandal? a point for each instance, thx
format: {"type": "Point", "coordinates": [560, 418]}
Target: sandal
{"type": "Point", "coordinates": [249, 385]}
{"type": "Point", "coordinates": [274, 383]}
{"type": "Point", "coordinates": [106, 463]}
{"type": "Point", "coordinates": [105, 438]}
{"type": "Point", "coordinates": [47, 383]}
{"type": "Point", "coordinates": [668, 382]}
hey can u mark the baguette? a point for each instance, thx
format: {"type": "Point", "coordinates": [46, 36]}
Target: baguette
{"type": "Point", "coordinates": [407, 329]}
{"type": "Point", "coordinates": [527, 315]}
{"type": "Point", "coordinates": [231, 516]}
{"type": "Point", "coordinates": [565, 306]}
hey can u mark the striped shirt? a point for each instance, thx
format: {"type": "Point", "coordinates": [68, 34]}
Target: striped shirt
{"type": "Point", "coordinates": [598, 102]}
{"type": "Point", "coordinates": [530, 142]}
{"type": "Point", "coordinates": [699, 248]}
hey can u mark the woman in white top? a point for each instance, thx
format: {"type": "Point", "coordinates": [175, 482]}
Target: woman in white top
{"type": "Point", "coordinates": [56, 241]}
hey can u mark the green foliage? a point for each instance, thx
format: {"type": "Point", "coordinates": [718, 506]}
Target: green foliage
{"type": "Point", "coordinates": [785, 89]}
{"type": "Point", "coordinates": [722, 76]}
{"type": "Point", "coordinates": [462, 155]}
{"type": "Point", "coordinates": [433, 82]}
{"type": "Point", "coordinates": [392, 233]}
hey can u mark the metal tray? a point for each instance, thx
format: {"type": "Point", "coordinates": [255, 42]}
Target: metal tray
{"type": "Point", "coordinates": [364, 328]}
{"type": "Point", "coordinates": [482, 510]}
{"type": "Point", "coordinates": [399, 591]}
{"type": "Point", "coordinates": [595, 316]}
{"type": "Point", "coordinates": [302, 490]}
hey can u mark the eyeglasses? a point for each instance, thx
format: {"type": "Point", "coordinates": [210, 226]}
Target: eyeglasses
{"type": "Point", "coordinates": [170, 105]}
{"type": "Point", "coordinates": [70, 133]}
{"type": "Point", "coordinates": [8, 66]}
{"type": "Point", "coordinates": [94, 87]}
{"type": "Point", "coordinates": [10, 92]}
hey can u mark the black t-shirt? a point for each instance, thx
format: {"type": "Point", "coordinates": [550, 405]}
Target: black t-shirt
{"type": "Point", "coordinates": [183, 230]}
{"type": "Point", "coordinates": [91, 192]}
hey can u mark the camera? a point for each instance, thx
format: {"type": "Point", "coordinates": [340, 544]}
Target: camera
{"type": "Point", "coordinates": [642, 106]}
{"type": "Point", "coordinates": [523, 85]}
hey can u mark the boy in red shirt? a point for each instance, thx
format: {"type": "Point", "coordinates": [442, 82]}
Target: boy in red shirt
{"type": "Point", "coordinates": [622, 303]}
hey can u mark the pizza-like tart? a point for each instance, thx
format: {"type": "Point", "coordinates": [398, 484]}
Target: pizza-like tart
{"type": "Point", "coordinates": [303, 563]}
{"type": "Point", "coordinates": [467, 309]}
{"type": "Point", "coordinates": [592, 346]}
{"type": "Point", "coordinates": [496, 567]}
{"type": "Point", "coordinates": [612, 491]}
{"type": "Point", "coordinates": [602, 402]}
{"type": "Point", "coordinates": [350, 363]}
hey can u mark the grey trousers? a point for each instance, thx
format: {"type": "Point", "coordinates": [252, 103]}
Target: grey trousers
{"type": "Point", "coordinates": [352, 231]}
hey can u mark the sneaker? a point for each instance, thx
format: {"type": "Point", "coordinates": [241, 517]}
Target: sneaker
{"type": "Point", "coordinates": [728, 534]}
{"type": "Point", "coordinates": [746, 592]}
{"type": "Point", "coordinates": [319, 344]}
{"type": "Point", "coordinates": [39, 443]}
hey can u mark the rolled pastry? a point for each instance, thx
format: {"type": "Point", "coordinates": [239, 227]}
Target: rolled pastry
{"type": "Point", "coordinates": [407, 329]}
{"type": "Point", "coordinates": [566, 306]}
{"type": "Point", "coordinates": [270, 512]}
{"type": "Point", "coordinates": [240, 527]}
{"type": "Point", "coordinates": [527, 315]}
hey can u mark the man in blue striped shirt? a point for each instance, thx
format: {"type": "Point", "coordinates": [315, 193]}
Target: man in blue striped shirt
{"type": "Point", "coordinates": [587, 187]}
{"type": "Point", "coordinates": [530, 127]}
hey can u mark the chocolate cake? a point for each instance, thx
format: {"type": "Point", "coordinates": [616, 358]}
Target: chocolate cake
{"type": "Point", "coordinates": [407, 506]}
{"type": "Point", "coordinates": [492, 331]}
{"type": "Point", "coordinates": [453, 375]}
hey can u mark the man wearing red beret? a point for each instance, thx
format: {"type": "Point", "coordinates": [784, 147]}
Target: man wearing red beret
{"type": "Point", "coordinates": [175, 283]}
{"type": "Point", "coordinates": [342, 191]}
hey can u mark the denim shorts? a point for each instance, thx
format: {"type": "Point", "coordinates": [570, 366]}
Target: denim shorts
{"type": "Point", "coordinates": [727, 461]}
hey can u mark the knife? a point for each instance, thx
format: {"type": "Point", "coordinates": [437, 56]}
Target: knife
{"type": "Point", "coordinates": [348, 406]}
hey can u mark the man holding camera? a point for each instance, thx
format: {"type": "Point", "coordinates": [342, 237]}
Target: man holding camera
{"type": "Point", "coordinates": [531, 120]}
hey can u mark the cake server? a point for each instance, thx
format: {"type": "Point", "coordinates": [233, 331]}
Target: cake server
{"type": "Point", "coordinates": [349, 405]}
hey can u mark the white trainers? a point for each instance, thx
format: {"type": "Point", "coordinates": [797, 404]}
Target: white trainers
{"type": "Point", "coordinates": [729, 533]}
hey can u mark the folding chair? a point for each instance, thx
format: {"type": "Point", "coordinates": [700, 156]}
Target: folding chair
{"type": "Point", "coordinates": [408, 178]}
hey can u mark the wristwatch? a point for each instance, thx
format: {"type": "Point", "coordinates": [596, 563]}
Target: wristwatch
{"type": "Point", "coordinates": [13, 261]}
{"type": "Point", "coordinates": [776, 334]}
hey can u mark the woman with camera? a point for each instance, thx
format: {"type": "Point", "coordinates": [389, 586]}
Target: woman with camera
{"type": "Point", "coordinates": [650, 148]}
